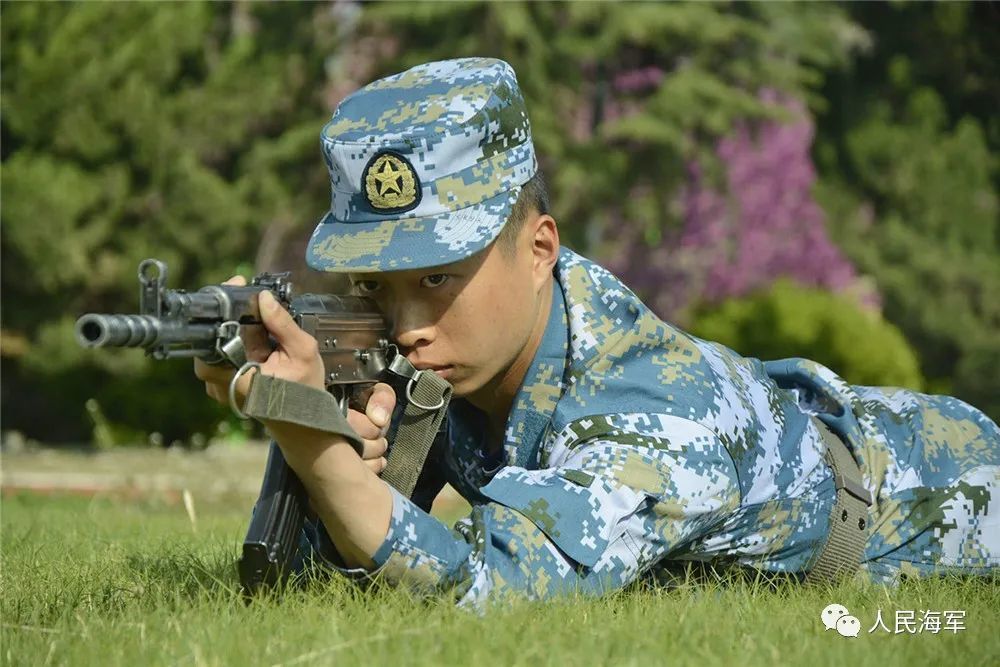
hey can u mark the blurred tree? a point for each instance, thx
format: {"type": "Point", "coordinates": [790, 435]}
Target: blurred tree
{"type": "Point", "coordinates": [188, 132]}
{"type": "Point", "coordinates": [623, 96]}
{"type": "Point", "coordinates": [671, 135]}
{"type": "Point", "coordinates": [909, 178]}
{"type": "Point", "coordinates": [789, 320]}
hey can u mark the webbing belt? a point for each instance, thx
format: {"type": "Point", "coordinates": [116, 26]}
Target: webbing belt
{"type": "Point", "coordinates": [845, 544]}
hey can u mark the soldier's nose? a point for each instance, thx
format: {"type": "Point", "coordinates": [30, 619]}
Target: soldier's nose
{"type": "Point", "coordinates": [410, 339]}
{"type": "Point", "coordinates": [411, 331]}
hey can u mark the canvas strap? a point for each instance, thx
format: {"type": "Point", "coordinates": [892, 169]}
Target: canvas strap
{"type": "Point", "coordinates": [427, 395]}
{"type": "Point", "coordinates": [427, 402]}
{"type": "Point", "coordinates": [275, 399]}
{"type": "Point", "coordinates": [845, 545]}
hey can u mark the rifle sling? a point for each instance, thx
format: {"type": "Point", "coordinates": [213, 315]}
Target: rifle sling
{"type": "Point", "coordinates": [275, 399]}
{"type": "Point", "coordinates": [428, 402]}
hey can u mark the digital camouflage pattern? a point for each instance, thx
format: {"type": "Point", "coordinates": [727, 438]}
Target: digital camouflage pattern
{"type": "Point", "coordinates": [632, 445]}
{"type": "Point", "coordinates": [424, 167]}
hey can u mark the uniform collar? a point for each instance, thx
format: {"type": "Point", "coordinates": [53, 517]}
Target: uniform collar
{"type": "Point", "coordinates": [543, 384]}
{"type": "Point", "coordinates": [533, 404]}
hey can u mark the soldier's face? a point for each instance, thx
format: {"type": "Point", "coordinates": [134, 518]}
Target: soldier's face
{"type": "Point", "coordinates": [470, 321]}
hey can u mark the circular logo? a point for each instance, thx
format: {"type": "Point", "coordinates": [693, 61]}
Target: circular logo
{"type": "Point", "coordinates": [391, 185]}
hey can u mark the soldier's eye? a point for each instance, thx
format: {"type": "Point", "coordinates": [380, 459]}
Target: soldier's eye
{"type": "Point", "coordinates": [434, 280]}
{"type": "Point", "coordinates": [365, 286]}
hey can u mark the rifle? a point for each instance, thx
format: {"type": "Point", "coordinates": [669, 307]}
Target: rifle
{"type": "Point", "coordinates": [171, 323]}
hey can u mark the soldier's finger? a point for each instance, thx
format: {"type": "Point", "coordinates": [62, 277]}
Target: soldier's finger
{"type": "Point", "coordinates": [256, 341]}
{"type": "Point", "coordinates": [380, 405]}
{"type": "Point", "coordinates": [238, 281]}
{"type": "Point", "coordinates": [377, 465]}
{"type": "Point", "coordinates": [373, 449]}
{"type": "Point", "coordinates": [215, 374]}
{"type": "Point", "coordinates": [280, 324]}
{"type": "Point", "coordinates": [363, 426]}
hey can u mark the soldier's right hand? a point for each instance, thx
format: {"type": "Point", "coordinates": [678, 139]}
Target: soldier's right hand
{"type": "Point", "coordinates": [372, 424]}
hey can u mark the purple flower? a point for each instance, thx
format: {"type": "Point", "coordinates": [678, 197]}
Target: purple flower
{"type": "Point", "coordinates": [638, 80]}
{"type": "Point", "coordinates": [765, 225]}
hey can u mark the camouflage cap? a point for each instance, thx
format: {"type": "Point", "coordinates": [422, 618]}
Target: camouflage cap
{"type": "Point", "coordinates": [425, 167]}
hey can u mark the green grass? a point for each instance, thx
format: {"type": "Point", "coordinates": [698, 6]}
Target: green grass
{"type": "Point", "coordinates": [108, 583]}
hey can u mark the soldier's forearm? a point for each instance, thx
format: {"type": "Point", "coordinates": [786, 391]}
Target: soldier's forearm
{"type": "Point", "coordinates": [354, 505]}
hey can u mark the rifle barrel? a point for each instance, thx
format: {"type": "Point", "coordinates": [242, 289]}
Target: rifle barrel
{"type": "Point", "coordinates": [146, 331]}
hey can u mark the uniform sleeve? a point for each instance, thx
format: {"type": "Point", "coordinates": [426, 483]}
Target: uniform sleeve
{"type": "Point", "coordinates": [316, 547]}
{"type": "Point", "coordinates": [611, 509]}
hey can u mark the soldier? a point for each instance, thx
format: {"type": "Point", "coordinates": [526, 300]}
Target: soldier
{"type": "Point", "coordinates": [594, 441]}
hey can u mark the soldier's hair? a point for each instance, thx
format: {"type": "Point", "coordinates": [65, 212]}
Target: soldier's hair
{"type": "Point", "coordinates": [534, 197]}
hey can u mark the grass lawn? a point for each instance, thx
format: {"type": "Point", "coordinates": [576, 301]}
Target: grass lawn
{"type": "Point", "coordinates": [110, 582]}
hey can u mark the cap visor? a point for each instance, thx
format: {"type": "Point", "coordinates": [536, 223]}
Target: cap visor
{"type": "Point", "coordinates": [396, 244]}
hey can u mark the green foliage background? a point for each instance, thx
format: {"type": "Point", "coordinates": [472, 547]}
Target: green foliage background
{"type": "Point", "coordinates": [908, 152]}
{"type": "Point", "coordinates": [189, 132]}
{"type": "Point", "coordinates": [791, 320]}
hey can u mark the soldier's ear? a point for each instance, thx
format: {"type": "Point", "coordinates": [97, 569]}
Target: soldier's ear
{"type": "Point", "coordinates": [544, 247]}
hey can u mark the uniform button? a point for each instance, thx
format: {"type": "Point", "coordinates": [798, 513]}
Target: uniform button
{"type": "Point", "coordinates": [843, 515]}
{"type": "Point", "coordinates": [861, 523]}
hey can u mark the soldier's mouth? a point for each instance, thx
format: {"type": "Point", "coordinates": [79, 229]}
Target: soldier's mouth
{"type": "Point", "coordinates": [442, 370]}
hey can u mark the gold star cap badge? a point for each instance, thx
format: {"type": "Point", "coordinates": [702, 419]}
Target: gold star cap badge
{"type": "Point", "coordinates": [391, 185]}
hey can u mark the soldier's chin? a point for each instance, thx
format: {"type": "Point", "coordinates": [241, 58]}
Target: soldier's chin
{"type": "Point", "coordinates": [461, 386]}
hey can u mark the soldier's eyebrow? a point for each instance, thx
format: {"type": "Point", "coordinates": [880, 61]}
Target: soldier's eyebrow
{"type": "Point", "coordinates": [452, 267]}
{"type": "Point", "coordinates": [380, 276]}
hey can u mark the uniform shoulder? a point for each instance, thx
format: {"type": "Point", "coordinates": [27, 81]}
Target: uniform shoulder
{"type": "Point", "coordinates": [607, 320]}
{"type": "Point", "coordinates": [622, 357]}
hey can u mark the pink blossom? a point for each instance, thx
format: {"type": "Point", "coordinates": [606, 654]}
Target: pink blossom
{"type": "Point", "coordinates": [765, 225]}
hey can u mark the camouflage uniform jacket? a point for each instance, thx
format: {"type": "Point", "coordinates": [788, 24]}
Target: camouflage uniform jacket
{"type": "Point", "coordinates": [631, 444]}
